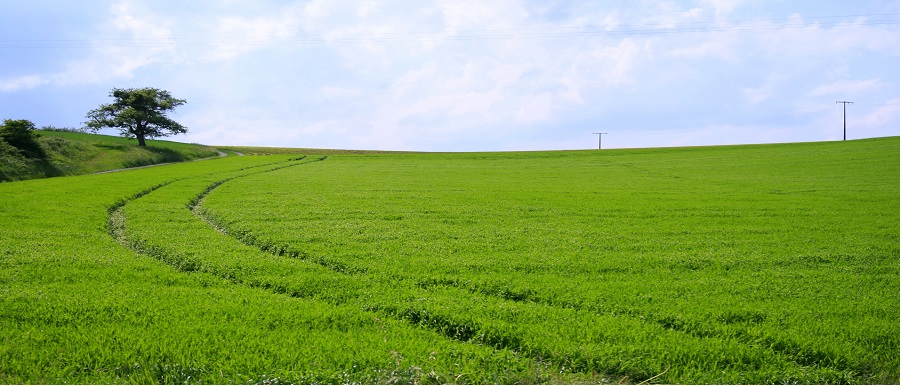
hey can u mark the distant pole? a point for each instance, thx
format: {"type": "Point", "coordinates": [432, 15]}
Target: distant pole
{"type": "Point", "coordinates": [599, 139]}
{"type": "Point", "coordinates": [844, 103]}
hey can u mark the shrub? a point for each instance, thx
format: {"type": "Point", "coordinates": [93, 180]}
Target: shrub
{"type": "Point", "coordinates": [20, 134]}
{"type": "Point", "coordinates": [66, 129]}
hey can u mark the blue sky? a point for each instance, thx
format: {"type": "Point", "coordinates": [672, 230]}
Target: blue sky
{"type": "Point", "coordinates": [462, 75]}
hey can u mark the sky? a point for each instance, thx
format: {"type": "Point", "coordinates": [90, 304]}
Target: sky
{"type": "Point", "coordinates": [462, 75]}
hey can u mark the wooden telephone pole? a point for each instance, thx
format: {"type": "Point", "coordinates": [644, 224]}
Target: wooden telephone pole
{"type": "Point", "coordinates": [844, 103]}
{"type": "Point", "coordinates": [599, 139]}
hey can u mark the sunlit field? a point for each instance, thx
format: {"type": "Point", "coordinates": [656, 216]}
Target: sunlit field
{"type": "Point", "coordinates": [728, 264]}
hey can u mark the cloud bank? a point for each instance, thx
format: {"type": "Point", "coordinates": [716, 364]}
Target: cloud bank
{"type": "Point", "coordinates": [473, 75]}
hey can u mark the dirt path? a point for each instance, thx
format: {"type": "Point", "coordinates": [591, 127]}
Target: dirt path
{"type": "Point", "coordinates": [219, 154]}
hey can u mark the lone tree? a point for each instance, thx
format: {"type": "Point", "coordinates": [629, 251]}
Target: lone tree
{"type": "Point", "coordinates": [138, 113]}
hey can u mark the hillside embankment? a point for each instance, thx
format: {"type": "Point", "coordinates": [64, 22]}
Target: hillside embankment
{"type": "Point", "coordinates": [64, 153]}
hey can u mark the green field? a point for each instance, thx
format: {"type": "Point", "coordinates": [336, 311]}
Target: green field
{"type": "Point", "coordinates": [729, 264]}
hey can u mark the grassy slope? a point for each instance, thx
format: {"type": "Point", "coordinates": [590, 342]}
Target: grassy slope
{"type": "Point", "coordinates": [75, 306]}
{"type": "Point", "coordinates": [774, 263]}
{"type": "Point", "coordinates": [259, 150]}
{"type": "Point", "coordinates": [71, 153]}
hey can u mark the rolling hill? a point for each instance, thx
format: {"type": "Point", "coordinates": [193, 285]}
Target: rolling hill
{"type": "Point", "coordinates": [749, 264]}
{"type": "Point", "coordinates": [72, 153]}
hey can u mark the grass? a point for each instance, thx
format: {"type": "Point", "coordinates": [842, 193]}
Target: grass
{"type": "Point", "coordinates": [72, 153]}
{"type": "Point", "coordinates": [734, 264]}
{"type": "Point", "coordinates": [113, 152]}
{"type": "Point", "coordinates": [259, 150]}
{"type": "Point", "coordinates": [77, 307]}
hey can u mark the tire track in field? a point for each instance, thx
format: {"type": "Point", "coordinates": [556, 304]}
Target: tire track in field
{"type": "Point", "coordinates": [468, 332]}
{"type": "Point", "coordinates": [465, 331]}
{"type": "Point", "coordinates": [794, 352]}
{"type": "Point", "coordinates": [443, 325]}
{"type": "Point", "coordinates": [115, 221]}
{"type": "Point", "coordinates": [791, 351]}
{"type": "Point", "coordinates": [449, 326]}
{"type": "Point", "coordinates": [247, 238]}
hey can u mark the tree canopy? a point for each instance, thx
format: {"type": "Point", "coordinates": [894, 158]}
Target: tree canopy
{"type": "Point", "coordinates": [20, 134]}
{"type": "Point", "coordinates": [138, 113]}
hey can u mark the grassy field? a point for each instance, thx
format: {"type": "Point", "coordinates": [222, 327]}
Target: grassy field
{"type": "Point", "coordinates": [72, 153]}
{"type": "Point", "coordinates": [258, 150]}
{"type": "Point", "coordinates": [732, 264]}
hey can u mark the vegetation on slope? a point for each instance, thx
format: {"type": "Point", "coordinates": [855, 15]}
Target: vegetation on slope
{"type": "Point", "coordinates": [733, 264]}
{"type": "Point", "coordinates": [261, 150]}
{"type": "Point", "coordinates": [78, 307]}
{"type": "Point", "coordinates": [67, 153]}
{"type": "Point", "coordinates": [737, 264]}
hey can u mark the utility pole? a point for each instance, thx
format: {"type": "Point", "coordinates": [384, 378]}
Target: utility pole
{"type": "Point", "coordinates": [844, 103]}
{"type": "Point", "coordinates": [599, 139]}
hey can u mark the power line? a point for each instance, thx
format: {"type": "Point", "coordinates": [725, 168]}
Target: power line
{"type": "Point", "coordinates": [487, 34]}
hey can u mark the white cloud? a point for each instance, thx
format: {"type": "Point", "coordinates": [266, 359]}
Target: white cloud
{"type": "Point", "coordinates": [570, 89]}
{"type": "Point", "coordinates": [723, 8]}
{"type": "Point", "coordinates": [22, 83]}
{"type": "Point", "coordinates": [846, 88]}
{"type": "Point", "coordinates": [720, 45]}
{"type": "Point", "coordinates": [335, 92]}
{"type": "Point", "coordinates": [237, 35]}
{"type": "Point", "coordinates": [395, 74]}
{"type": "Point", "coordinates": [462, 15]}
{"type": "Point", "coordinates": [535, 108]}
{"type": "Point", "coordinates": [215, 126]}
{"type": "Point", "coordinates": [879, 116]}
{"type": "Point", "coordinates": [617, 63]}
{"type": "Point", "coordinates": [758, 94]}
{"type": "Point", "coordinates": [147, 28]}
{"type": "Point", "coordinates": [113, 56]}
{"type": "Point", "coordinates": [797, 40]}
{"type": "Point", "coordinates": [766, 91]}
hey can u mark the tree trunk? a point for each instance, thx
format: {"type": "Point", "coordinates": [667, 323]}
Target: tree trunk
{"type": "Point", "coordinates": [141, 141]}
